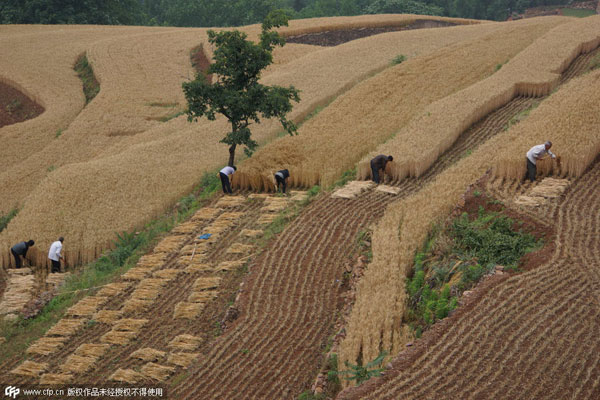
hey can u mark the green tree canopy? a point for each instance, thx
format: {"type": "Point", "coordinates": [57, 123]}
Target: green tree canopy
{"type": "Point", "coordinates": [237, 93]}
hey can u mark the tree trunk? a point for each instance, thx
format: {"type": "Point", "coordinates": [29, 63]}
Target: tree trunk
{"type": "Point", "coordinates": [232, 154]}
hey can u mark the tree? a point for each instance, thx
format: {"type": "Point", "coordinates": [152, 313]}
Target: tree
{"type": "Point", "coordinates": [237, 93]}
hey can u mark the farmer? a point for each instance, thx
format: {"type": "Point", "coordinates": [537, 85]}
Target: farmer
{"type": "Point", "coordinates": [20, 250]}
{"type": "Point", "coordinates": [55, 256]}
{"type": "Point", "coordinates": [281, 178]}
{"type": "Point", "coordinates": [378, 163]}
{"type": "Point", "coordinates": [224, 175]}
{"type": "Point", "coordinates": [534, 154]}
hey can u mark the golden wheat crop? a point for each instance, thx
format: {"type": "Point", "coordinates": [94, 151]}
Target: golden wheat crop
{"type": "Point", "coordinates": [337, 138]}
{"type": "Point", "coordinates": [376, 317]}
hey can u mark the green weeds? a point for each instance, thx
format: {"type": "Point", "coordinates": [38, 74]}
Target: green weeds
{"type": "Point", "coordinates": [5, 219]}
{"type": "Point", "coordinates": [91, 86]}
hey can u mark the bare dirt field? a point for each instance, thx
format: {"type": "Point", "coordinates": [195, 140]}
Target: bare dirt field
{"type": "Point", "coordinates": [15, 106]}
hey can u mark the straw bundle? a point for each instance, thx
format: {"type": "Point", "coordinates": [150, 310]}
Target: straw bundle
{"type": "Point", "coordinates": [251, 233]}
{"type": "Point", "coordinates": [145, 294]}
{"type": "Point", "coordinates": [148, 354]}
{"type": "Point", "coordinates": [120, 338]}
{"type": "Point", "coordinates": [274, 207]}
{"type": "Point", "coordinates": [207, 283]}
{"type": "Point", "coordinates": [353, 189]}
{"type": "Point", "coordinates": [129, 325]}
{"type": "Point", "coordinates": [19, 292]}
{"type": "Point", "coordinates": [259, 196]}
{"type": "Point", "coordinates": [202, 296]}
{"type": "Point", "coordinates": [66, 327]}
{"type": "Point", "coordinates": [107, 316]}
{"type": "Point", "coordinates": [78, 364]}
{"type": "Point", "coordinates": [30, 368]}
{"type": "Point", "coordinates": [170, 244]}
{"type": "Point", "coordinates": [113, 289]}
{"type": "Point", "coordinates": [126, 375]}
{"type": "Point", "coordinates": [298, 195]}
{"type": "Point", "coordinates": [186, 310]}
{"type": "Point", "coordinates": [196, 249]}
{"type": "Point", "coordinates": [186, 228]}
{"type": "Point", "coordinates": [136, 306]}
{"type": "Point", "coordinates": [151, 261]}
{"type": "Point", "coordinates": [56, 379]}
{"type": "Point", "coordinates": [56, 279]}
{"type": "Point", "coordinates": [167, 274]}
{"type": "Point", "coordinates": [387, 189]}
{"type": "Point", "coordinates": [87, 306]}
{"type": "Point", "coordinates": [231, 201]}
{"type": "Point", "coordinates": [240, 248]}
{"type": "Point", "coordinates": [206, 213]}
{"type": "Point", "coordinates": [230, 265]}
{"type": "Point", "coordinates": [266, 219]}
{"type": "Point", "coordinates": [157, 372]}
{"type": "Point", "coordinates": [550, 188]}
{"type": "Point", "coordinates": [193, 266]}
{"type": "Point", "coordinates": [182, 359]}
{"type": "Point", "coordinates": [92, 350]}
{"type": "Point", "coordinates": [185, 342]}
{"type": "Point", "coordinates": [136, 274]}
{"type": "Point", "coordinates": [45, 345]}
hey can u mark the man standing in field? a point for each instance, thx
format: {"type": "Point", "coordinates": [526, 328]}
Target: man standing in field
{"type": "Point", "coordinates": [534, 154]}
{"type": "Point", "coordinates": [224, 174]}
{"type": "Point", "coordinates": [20, 250]}
{"type": "Point", "coordinates": [281, 178]}
{"type": "Point", "coordinates": [55, 256]}
{"type": "Point", "coordinates": [378, 163]}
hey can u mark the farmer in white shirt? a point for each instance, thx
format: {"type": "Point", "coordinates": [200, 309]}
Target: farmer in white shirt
{"type": "Point", "coordinates": [534, 154]}
{"type": "Point", "coordinates": [55, 256]}
{"type": "Point", "coordinates": [224, 175]}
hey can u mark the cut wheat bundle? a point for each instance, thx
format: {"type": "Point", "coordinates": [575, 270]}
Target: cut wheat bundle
{"type": "Point", "coordinates": [148, 354]}
{"type": "Point", "coordinates": [30, 368]}
{"type": "Point", "coordinates": [113, 289]}
{"type": "Point", "coordinates": [170, 244]}
{"type": "Point", "coordinates": [127, 375]}
{"type": "Point", "coordinates": [66, 327]}
{"type": "Point", "coordinates": [120, 338]}
{"type": "Point", "coordinates": [167, 274]}
{"type": "Point", "coordinates": [152, 261]}
{"type": "Point", "coordinates": [135, 306]}
{"type": "Point", "coordinates": [182, 359]}
{"type": "Point", "coordinates": [231, 201]}
{"type": "Point", "coordinates": [206, 213]}
{"type": "Point", "coordinates": [157, 372]}
{"type": "Point", "coordinates": [129, 324]}
{"type": "Point", "coordinates": [107, 316]}
{"type": "Point", "coordinates": [78, 364]}
{"type": "Point", "coordinates": [185, 310]}
{"type": "Point", "coordinates": [92, 350]}
{"type": "Point", "coordinates": [203, 296]}
{"type": "Point", "coordinates": [56, 379]}
{"type": "Point", "coordinates": [230, 265]}
{"type": "Point", "coordinates": [136, 274]}
{"type": "Point", "coordinates": [46, 345]}
{"type": "Point", "coordinates": [185, 342]}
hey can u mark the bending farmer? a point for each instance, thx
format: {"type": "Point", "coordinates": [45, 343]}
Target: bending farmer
{"type": "Point", "coordinates": [534, 154]}
{"type": "Point", "coordinates": [281, 178]}
{"type": "Point", "coordinates": [20, 250]}
{"type": "Point", "coordinates": [55, 256]}
{"type": "Point", "coordinates": [378, 163]}
{"type": "Point", "coordinates": [224, 175]}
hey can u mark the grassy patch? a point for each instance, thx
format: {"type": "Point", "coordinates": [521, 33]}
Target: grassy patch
{"type": "Point", "coordinates": [399, 59]}
{"type": "Point", "coordinates": [58, 133]}
{"type": "Point", "coordinates": [5, 219]}
{"type": "Point", "coordinates": [128, 248]}
{"type": "Point", "coordinates": [346, 177]}
{"type": "Point", "coordinates": [594, 63]}
{"type": "Point", "coordinates": [361, 373]}
{"type": "Point", "coordinates": [521, 116]}
{"type": "Point", "coordinates": [576, 12]}
{"type": "Point", "coordinates": [84, 70]}
{"type": "Point", "coordinates": [163, 104]}
{"type": "Point", "coordinates": [171, 116]}
{"type": "Point", "coordinates": [456, 258]}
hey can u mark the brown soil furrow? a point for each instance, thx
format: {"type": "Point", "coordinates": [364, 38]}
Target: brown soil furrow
{"type": "Point", "coordinates": [345, 223]}
{"type": "Point", "coordinates": [578, 66]}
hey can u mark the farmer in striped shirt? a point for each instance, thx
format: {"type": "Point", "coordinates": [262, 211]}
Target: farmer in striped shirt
{"type": "Point", "coordinates": [224, 174]}
{"type": "Point", "coordinates": [534, 154]}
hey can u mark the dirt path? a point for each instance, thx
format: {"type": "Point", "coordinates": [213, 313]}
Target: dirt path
{"type": "Point", "coordinates": [15, 106]}
{"type": "Point", "coordinates": [534, 336]}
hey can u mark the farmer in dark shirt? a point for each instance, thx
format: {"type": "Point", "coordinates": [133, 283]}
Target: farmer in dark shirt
{"type": "Point", "coordinates": [20, 250]}
{"type": "Point", "coordinates": [378, 163]}
{"type": "Point", "coordinates": [281, 178]}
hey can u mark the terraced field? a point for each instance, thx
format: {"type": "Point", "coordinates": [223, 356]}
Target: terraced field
{"type": "Point", "coordinates": [500, 348]}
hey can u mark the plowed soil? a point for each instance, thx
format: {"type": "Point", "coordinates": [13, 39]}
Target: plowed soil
{"type": "Point", "coordinates": [15, 106]}
{"type": "Point", "coordinates": [335, 38]}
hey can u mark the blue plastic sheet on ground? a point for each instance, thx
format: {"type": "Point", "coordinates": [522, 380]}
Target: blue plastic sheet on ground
{"type": "Point", "coordinates": [205, 236]}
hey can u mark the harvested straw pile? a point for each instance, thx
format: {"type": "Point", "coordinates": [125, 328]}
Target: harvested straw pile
{"type": "Point", "coordinates": [231, 201]}
{"type": "Point", "coordinates": [170, 244]}
{"type": "Point", "coordinates": [92, 350]}
{"type": "Point", "coordinates": [549, 188]}
{"type": "Point", "coordinates": [78, 364]}
{"type": "Point", "coordinates": [186, 310]}
{"type": "Point", "coordinates": [274, 206]}
{"type": "Point", "coordinates": [185, 342]}
{"type": "Point", "coordinates": [206, 283]}
{"type": "Point", "coordinates": [19, 292]}
{"type": "Point", "coordinates": [195, 250]}
{"type": "Point", "coordinates": [120, 338]}
{"type": "Point", "coordinates": [145, 294]}
{"type": "Point", "coordinates": [66, 327]}
{"type": "Point", "coordinates": [353, 189]}
{"type": "Point", "coordinates": [240, 248]}
{"type": "Point", "coordinates": [152, 261]}
{"type": "Point", "coordinates": [193, 266]}
{"type": "Point", "coordinates": [182, 359]}
{"type": "Point", "coordinates": [387, 189]}
{"type": "Point", "coordinates": [135, 306]}
{"type": "Point", "coordinates": [107, 316]}
{"type": "Point", "coordinates": [129, 325]}
{"type": "Point", "coordinates": [206, 213]}
{"type": "Point", "coordinates": [186, 228]}
{"type": "Point", "coordinates": [266, 219]}
{"type": "Point", "coordinates": [136, 274]}
{"type": "Point", "coordinates": [251, 233]}
{"type": "Point", "coordinates": [230, 265]}
{"type": "Point", "coordinates": [56, 379]}
{"type": "Point", "coordinates": [30, 368]}
{"type": "Point", "coordinates": [259, 196]}
{"type": "Point", "coordinates": [87, 306]}
{"type": "Point", "coordinates": [157, 372]}
{"type": "Point", "coordinates": [46, 345]}
{"type": "Point", "coordinates": [202, 296]}
{"type": "Point", "coordinates": [148, 354]}
{"type": "Point", "coordinates": [126, 375]}
{"type": "Point", "coordinates": [113, 289]}
{"type": "Point", "coordinates": [167, 274]}
{"type": "Point", "coordinates": [298, 195]}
